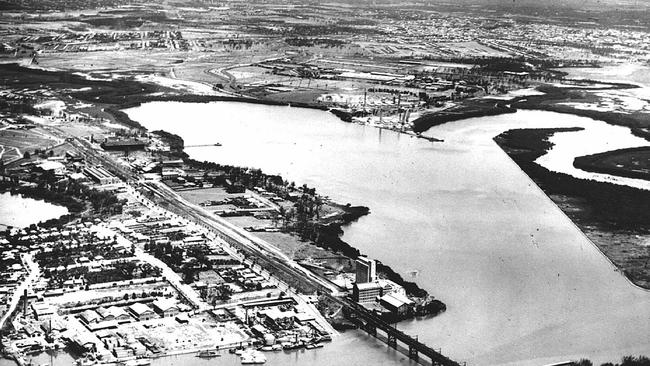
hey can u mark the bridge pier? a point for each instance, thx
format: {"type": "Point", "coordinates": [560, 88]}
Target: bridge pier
{"type": "Point", "coordinates": [371, 329]}
{"type": "Point", "coordinates": [392, 340]}
{"type": "Point", "coordinates": [413, 351]}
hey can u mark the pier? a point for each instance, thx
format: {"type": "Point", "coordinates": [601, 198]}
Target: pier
{"type": "Point", "coordinates": [204, 145]}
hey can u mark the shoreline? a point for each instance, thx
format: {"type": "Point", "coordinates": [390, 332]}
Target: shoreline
{"type": "Point", "coordinates": [573, 223]}
{"type": "Point", "coordinates": [500, 107]}
{"type": "Point", "coordinates": [328, 233]}
{"type": "Point", "coordinates": [605, 207]}
{"type": "Point", "coordinates": [544, 102]}
{"type": "Point", "coordinates": [132, 93]}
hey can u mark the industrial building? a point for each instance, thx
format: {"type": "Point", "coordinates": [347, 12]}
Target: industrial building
{"type": "Point", "coordinates": [123, 144]}
{"type": "Point", "coordinates": [101, 175]}
{"type": "Point", "coordinates": [166, 308]}
{"type": "Point", "coordinates": [366, 292]}
{"type": "Point", "coordinates": [396, 303]}
{"type": "Point", "coordinates": [141, 311]}
{"type": "Point", "coordinates": [366, 270]}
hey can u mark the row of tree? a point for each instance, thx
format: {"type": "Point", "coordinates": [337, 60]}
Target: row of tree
{"type": "Point", "coordinates": [626, 361]}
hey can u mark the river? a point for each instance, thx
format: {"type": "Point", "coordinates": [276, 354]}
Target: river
{"type": "Point", "coordinates": [18, 211]}
{"type": "Point", "coordinates": [523, 285]}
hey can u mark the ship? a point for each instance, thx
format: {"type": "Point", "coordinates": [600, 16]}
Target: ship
{"type": "Point", "coordinates": [208, 354]}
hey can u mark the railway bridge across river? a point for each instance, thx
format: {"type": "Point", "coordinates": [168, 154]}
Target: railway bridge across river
{"type": "Point", "coordinates": [416, 349]}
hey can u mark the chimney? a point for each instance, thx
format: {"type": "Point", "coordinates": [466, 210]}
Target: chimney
{"type": "Point", "coordinates": [25, 303]}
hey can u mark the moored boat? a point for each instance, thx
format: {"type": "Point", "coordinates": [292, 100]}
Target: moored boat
{"type": "Point", "coordinates": [208, 354]}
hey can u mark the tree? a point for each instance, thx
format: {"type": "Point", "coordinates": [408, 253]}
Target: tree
{"type": "Point", "coordinates": [224, 293]}
{"type": "Point", "coordinates": [635, 361]}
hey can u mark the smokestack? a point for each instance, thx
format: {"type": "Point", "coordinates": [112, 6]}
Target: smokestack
{"type": "Point", "coordinates": [25, 303]}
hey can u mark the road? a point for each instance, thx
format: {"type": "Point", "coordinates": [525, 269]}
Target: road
{"type": "Point", "coordinates": [261, 248]}
{"type": "Point", "coordinates": [33, 273]}
{"type": "Point", "coordinates": [191, 294]}
{"type": "Point", "coordinates": [173, 278]}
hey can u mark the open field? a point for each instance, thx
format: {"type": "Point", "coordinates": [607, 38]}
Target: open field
{"type": "Point", "coordinates": [288, 243]}
{"type": "Point", "coordinates": [16, 142]}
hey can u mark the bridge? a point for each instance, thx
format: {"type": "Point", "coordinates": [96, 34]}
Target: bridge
{"type": "Point", "coordinates": [417, 350]}
{"type": "Point", "coordinates": [279, 265]}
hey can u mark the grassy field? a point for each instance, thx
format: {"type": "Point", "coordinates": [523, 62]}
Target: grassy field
{"type": "Point", "coordinates": [15, 143]}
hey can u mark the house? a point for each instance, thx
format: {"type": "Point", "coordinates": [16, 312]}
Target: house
{"type": "Point", "coordinates": [138, 348]}
{"type": "Point", "coordinates": [122, 352]}
{"type": "Point", "coordinates": [104, 314]}
{"type": "Point", "coordinates": [32, 331]}
{"type": "Point", "coordinates": [118, 314]}
{"type": "Point", "coordinates": [141, 311]}
{"type": "Point", "coordinates": [53, 325]}
{"type": "Point", "coordinates": [74, 284]}
{"type": "Point", "coordinates": [304, 318]}
{"type": "Point", "coordinates": [166, 308]}
{"type": "Point", "coordinates": [109, 339]}
{"type": "Point", "coordinates": [42, 311]}
{"type": "Point", "coordinates": [171, 173]}
{"type": "Point", "coordinates": [90, 317]}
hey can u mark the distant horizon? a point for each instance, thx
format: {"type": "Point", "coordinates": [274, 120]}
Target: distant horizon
{"type": "Point", "coordinates": [575, 4]}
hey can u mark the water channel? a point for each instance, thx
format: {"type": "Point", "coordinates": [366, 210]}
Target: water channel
{"type": "Point", "coordinates": [523, 285]}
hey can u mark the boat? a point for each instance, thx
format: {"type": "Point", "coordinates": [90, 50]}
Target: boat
{"type": "Point", "coordinates": [208, 354]}
{"type": "Point", "coordinates": [137, 362]}
{"type": "Point", "coordinates": [86, 362]}
{"type": "Point", "coordinates": [292, 346]}
{"type": "Point", "coordinates": [271, 348]}
{"type": "Point", "coordinates": [253, 358]}
{"type": "Point", "coordinates": [326, 338]}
